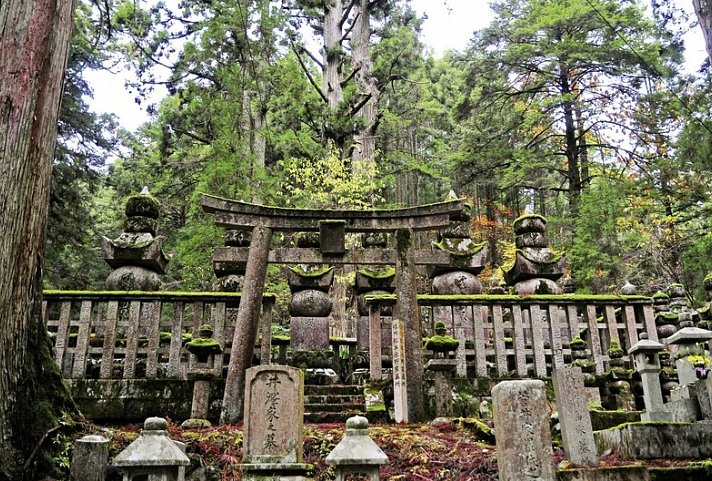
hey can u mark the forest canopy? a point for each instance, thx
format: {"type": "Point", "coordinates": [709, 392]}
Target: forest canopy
{"type": "Point", "coordinates": [578, 110]}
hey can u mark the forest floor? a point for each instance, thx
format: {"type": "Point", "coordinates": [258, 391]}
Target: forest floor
{"type": "Point", "coordinates": [448, 451]}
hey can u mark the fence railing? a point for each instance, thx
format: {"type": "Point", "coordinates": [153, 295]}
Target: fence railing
{"type": "Point", "coordinates": [120, 335]}
{"type": "Point", "coordinates": [507, 335]}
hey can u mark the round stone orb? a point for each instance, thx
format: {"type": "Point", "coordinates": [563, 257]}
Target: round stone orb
{"type": "Point", "coordinates": [457, 282]}
{"type": "Point", "coordinates": [133, 278]}
{"type": "Point", "coordinates": [310, 303]}
{"type": "Point", "coordinates": [536, 286]}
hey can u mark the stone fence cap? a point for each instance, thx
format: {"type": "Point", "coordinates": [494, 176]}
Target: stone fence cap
{"type": "Point", "coordinates": [153, 447]}
{"type": "Point", "coordinates": [357, 448]}
{"type": "Point", "coordinates": [689, 335]}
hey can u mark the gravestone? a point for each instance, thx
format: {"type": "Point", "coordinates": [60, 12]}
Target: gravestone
{"type": "Point", "coordinates": [574, 418]}
{"type": "Point", "coordinates": [90, 459]}
{"type": "Point", "coordinates": [400, 388]}
{"type": "Point", "coordinates": [274, 421]}
{"type": "Point", "coordinates": [521, 421]}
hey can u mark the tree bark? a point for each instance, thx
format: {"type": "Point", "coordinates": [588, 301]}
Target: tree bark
{"type": "Point", "coordinates": [571, 148]}
{"type": "Point", "coordinates": [703, 9]}
{"type": "Point", "coordinates": [333, 53]}
{"type": "Point", "coordinates": [34, 46]}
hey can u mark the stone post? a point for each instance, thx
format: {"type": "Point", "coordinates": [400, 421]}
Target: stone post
{"type": "Point", "coordinates": [400, 391]}
{"type": "Point", "coordinates": [574, 418]}
{"type": "Point", "coordinates": [647, 363]}
{"type": "Point", "coordinates": [521, 422]}
{"type": "Point", "coordinates": [407, 311]}
{"type": "Point", "coordinates": [374, 341]}
{"type": "Point", "coordinates": [90, 459]}
{"type": "Point", "coordinates": [248, 317]}
{"type": "Point", "coordinates": [443, 369]}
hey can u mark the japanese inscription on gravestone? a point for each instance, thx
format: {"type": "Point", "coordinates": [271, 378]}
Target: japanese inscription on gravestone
{"type": "Point", "coordinates": [400, 391]}
{"type": "Point", "coordinates": [274, 413]}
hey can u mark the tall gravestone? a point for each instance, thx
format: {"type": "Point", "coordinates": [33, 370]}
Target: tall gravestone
{"type": "Point", "coordinates": [274, 421]}
{"type": "Point", "coordinates": [521, 422]}
{"type": "Point", "coordinates": [574, 418]}
{"type": "Point", "coordinates": [400, 389]}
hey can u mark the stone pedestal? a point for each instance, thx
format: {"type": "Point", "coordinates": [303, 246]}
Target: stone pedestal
{"type": "Point", "coordinates": [274, 419]}
{"type": "Point", "coordinates": [90, 459]}
{"type": "Point", "coordinates": [521, 421]}
{"type": "Point", "coordinates": [575, 421]}
{"type": "Point", "coordinates": [309, 333]}
{"type": "Point", "coordinates": [442, 369]}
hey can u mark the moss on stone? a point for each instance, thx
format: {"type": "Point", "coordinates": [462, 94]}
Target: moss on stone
{"type": "Point", "coordinates": [660, 295]}
{"type": "Point", "coordinates": [144, 205]}
{"type": "Point", "coordinates": [203, 346]}
{"type": "Point", "coordinates": [439, 343]}
{"type": "Point", "coordinates": [378, 274]}
{"type": "Point", "coordinates": [529, 216]}
{"type": "Point", "coordinates": [472, 248]}
{"type": "Point", "coordinates": [298, 270]}
{"type": "Point", "coordinates": [603, 419]}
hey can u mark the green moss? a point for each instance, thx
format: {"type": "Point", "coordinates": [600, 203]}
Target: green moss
{"type": "Point", "coordinates": [313, 273]}
{"type": "Point", "coordinates": [667, 316]}
{"type": "Point", "coordinates": [333, 221]}
{"type": "Point", "coordinates": [439, 343]}
{"type": "Point", "coordinates": [620, 373]}
{"type": "Point", "coordinates": [203, 346]}
{"type": "Point", "coordinates": [554, 257]}
{"type": "Point", "coordinates": [376, 407]}
{"type": "Point", "coordinates": [143, 205]}
{"type": "Point", "coordinates": [577, 342]}
{"type": "Point", "coordinates": [660, 295]}
{"type": "Point", "coordinates": [140, 295]}
{"type": "Point", "coordinates": [529, 216]}
{"type": "Point", "coordinates": [471, 249]}
{"type": "Point", "coordinates": [614, 349]}
{"type": "Point", "coordinates": [378, 274]}
{"type": "Point", "coordinates": [603, 419]}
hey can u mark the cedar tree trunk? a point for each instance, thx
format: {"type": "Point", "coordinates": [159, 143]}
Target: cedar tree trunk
{"type": "Point", "coordinates": [34, 45]}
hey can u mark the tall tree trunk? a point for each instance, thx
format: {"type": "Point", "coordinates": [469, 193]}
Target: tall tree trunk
{"type": "Point", "coordinates": [571, 146]}
{"type": "Point", "coordinates": [34, 46]}
{"type": "Point", "coordinates": [703, 9]}
{"type": "Point", "coordinates": [333, 53]}
{"type": "Point", "coordinates": [365, 138]}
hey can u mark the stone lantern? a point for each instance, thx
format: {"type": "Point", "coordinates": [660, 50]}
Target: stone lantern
{"type": "Point", "coordinates": [688, 340]}
{"type": "Point", "coordinates": [202, 368]}
{"type": "Point", "coordinates": [647, 362]}
{"type": "Point", "coordinates": [153, 456]}
{"type": "Point", "coordinates": [356, 453]}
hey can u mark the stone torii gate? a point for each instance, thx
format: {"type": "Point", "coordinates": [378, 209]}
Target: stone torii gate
{"type": "Point", "coordinates": [332, 225]}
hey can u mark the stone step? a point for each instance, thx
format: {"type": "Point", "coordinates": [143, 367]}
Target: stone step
{"type": "Point", "coordinates": [335, 389]}
{"type": "Point", "coordinates": [333, 398]}
{"type": "Point", "coordinates": [334, 408]}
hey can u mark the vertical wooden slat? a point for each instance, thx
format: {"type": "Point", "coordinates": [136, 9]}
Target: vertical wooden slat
{"type": "Point", "coordinates": [266, 346]}
{"type": "Point", "coordinates": [60, 344]}
{"type": "Point", "coordinates": [537, 324]}
{"type": "Point", "coordinates": [459, 318]}
{"type": "Point", "coordinates": [80, 352]}
{"type": "Point", "coordinates": [107, 355]}
{"type": "Point", "coordinates": [198, 308]}
{"type": "Point", "coordinates": [132, 340]}
{"type": "Point", "coordinates": [479, 331]}
{"type": "Point", "coordinates": [218, 315]}
{"type": "Point", "coordinates": [176, 341]}
{"type": "Point", "coordinates": [610, 315]}
{"type": "Point", "coordinates": [500, 350]}
{"type": "Point", "coordinates": [594, 340]}
{"type": "Point", "coordinates": [557, 351]}
{"type": "Point", "coordinates": [573, 321]}
{"type": "Point", "coordinates": [153, 333]}
{"type": "Point", "coordinates": [520, 356]}
{"type": "Point", "coordinates": [631, 330]}
{"type": "Point", "coordinates": [649, 322]}
{"type": "Point", "coordinates": [374, 341]}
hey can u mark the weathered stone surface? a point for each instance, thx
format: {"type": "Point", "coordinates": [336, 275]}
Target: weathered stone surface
{"type": "Point", "coordinates": [400, 390]}
{"type": "Point", "coordinates": [133, 278]}
{"type": "Point", "coordinates": [457, 282]}
{"type": "Point", "coordinates": [617, 473]}
{"type": "Point", "coordinates": [660, 440]}
{"type": "Point", "coordinates": [363, 334]}
{"type": "Point", "coordinates": [155, 450]}
{"type": "Point", "coordinates": [332, 236]}
{"type": "Point", "coordinates": [356, 449]}
{"type": "Point", "coordinates": [150, 256]}
{"type": "Point", "coordinates": [299, 282]}
{"type": "Point", "coordinates": [442, 369]}
{"type": "Point", "coordinates": [90, 459]}
{"type": "Point", "coordinates": [310, 303]}
{"type": "Point", "coordinates": [530, 239]}
{"type": "Point", "coordinates": [526, 224]}
{"type": "Point", "coordinates": [229, 283]}
{"type": "Point", "coordinates": [536, 286]}
{"type": "Point", "coordinates": [575, 421]}
{"type": "Point", "coordinates": [274, 412]}
{"type": "Point", "coordinates": [309, 332]}
{"type": "Point", "coordinates": [521, 420]}
{"type": "Point", "coordinates": [140, 224]}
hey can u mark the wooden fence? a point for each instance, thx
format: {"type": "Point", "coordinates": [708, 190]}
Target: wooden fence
{"type": "Point", "coordinates": [119, 335]}
{"type": "Point", "coordinates": [526, 336]}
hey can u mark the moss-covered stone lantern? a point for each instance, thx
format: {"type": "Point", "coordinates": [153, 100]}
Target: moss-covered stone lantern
{"type": "Point", "coordinates": [357, 453]}
{"type": "Point", "coordinates": [647, 362]}
{"type": "Point", "coordinates": [153, 456]}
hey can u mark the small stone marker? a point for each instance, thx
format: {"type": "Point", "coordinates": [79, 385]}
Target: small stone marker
{"type": "Point", "coordinates": [90, 459]}
{"type": "Point", "coordinates": [400, 388]}
{"type": "Point", "coordinates": [521, 421]}
{"type": "Point", "coordinates": [575, 420]}
{"type": "Point", "coordinates": [357, 453]}
{"type": "Point", "coordinates": [274, 415]}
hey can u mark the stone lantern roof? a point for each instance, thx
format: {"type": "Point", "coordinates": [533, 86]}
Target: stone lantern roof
{"type": "Point", "coordinates": [357, 448]}
{"type": "Point", "coordinates": [645, 345]}
{"type": "Point", "coordinates": [152, 448]}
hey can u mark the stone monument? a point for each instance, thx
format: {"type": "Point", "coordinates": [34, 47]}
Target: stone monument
{"type": "Point", "coordinates": [274, 419]}
{"type": "Point", "coordinates": [136, 256]}
{"type": "Point", "coordinates": [536, 267]}
{"type": "Point", "coordinates": [574, 418]}
{"type": "Point", "coordinates": [310, 306]}
{"type": "Point", "coordinates": [521, 422]}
